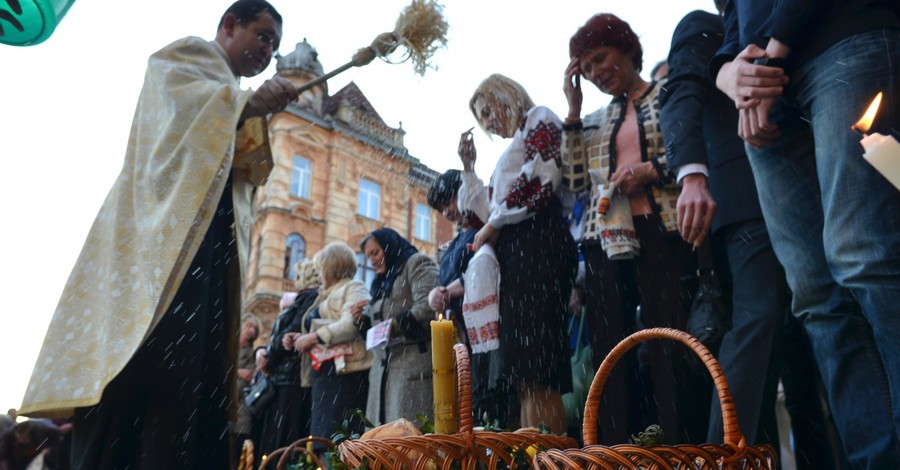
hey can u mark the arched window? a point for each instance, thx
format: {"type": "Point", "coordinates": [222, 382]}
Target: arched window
{"type": "Point", "coordinates": [294, 252]}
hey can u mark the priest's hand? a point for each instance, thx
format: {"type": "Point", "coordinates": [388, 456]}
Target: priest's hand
{"type": "Point", "coordinates": [272, 96]}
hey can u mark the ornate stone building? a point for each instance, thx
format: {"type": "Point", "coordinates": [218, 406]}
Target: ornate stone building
{"type": "Point", "coordinates": [340, 172]}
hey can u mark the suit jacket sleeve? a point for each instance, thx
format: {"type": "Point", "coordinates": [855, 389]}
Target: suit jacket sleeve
{"type": "Point", "coordinates": [694, 43]}
{"type": "Point", "coordinates": [731, 42]}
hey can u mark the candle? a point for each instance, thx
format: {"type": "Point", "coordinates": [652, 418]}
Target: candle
{"type": "Point", "coordinates": [309, 450]}
{"type": "Point", "coordinates": [881, 151]}
{"type": "Point", "coordinates": [444, 368]}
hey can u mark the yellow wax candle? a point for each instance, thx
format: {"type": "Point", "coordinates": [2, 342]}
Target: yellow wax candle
{"type": "Point", "coordinates": [444, 369]}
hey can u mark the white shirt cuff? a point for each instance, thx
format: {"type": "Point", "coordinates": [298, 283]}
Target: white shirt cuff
{"type": "Point", "coordinates": [692, 168]}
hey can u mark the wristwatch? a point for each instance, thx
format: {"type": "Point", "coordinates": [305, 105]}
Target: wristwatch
{"type": "Point", "coordinates": [770, 62]}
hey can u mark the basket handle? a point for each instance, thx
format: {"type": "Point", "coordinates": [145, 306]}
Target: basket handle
{"type": "Point", "coordinates": [284, 454]}
{"type": "Point", "coordinates": [463, 389]}
{"type": "Point", "coordinates": [733, 434]}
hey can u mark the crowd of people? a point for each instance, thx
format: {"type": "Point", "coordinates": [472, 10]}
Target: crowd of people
{"type": "Point", "coordinates": [739, 150]}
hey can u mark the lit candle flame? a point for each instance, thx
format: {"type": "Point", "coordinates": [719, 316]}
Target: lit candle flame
{"type": "Point", "coordinates": [865, 122]}
{"type": "Point", "coordinates": [440, 317]}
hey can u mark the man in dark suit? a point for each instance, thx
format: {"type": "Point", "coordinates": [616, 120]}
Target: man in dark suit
{"type": "Point", "coordinates": [718, 193]}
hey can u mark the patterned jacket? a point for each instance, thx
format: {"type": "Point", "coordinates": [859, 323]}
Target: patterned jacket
{"type": "Point", "coordinates": [590, 145]}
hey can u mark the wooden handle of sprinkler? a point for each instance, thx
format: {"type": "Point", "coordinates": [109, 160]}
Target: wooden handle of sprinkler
{"type": "Point", "coordinates": [362, 57]}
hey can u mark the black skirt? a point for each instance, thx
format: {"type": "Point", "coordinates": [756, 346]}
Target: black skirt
{"type": "Point", "coordinates": [538, 263]}
{"type": "Point", "coordinates": [335, 396]}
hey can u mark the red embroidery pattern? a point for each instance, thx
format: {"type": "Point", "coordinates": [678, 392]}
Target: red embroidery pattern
{"type": "Point", "coordinates": [480, 304]}
{"type": "Point", "coordinates": [544, 140]}
{"type": "Point", "coordinates": [487, 332]}
{"type": "Point", "coordinates": [618, 234]}
{"type": "Point", "coordinates": [532, 194]}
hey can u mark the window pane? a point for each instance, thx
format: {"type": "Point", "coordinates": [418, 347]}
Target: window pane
{"type": "Point", "coordinates": [365, 272]}
{"type": "Point", "coordinates": [369, 199]}
{"type": "Point", "coordinates": [294, 252]}
{"type": "Point", "coordinates": [423, 222]}
{"type": "Point", "coordinates": [301, 177]}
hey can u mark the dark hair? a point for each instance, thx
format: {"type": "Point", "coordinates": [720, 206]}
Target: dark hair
{"type": "Point", "coordinates": [658, 66]}
{"type": "Point", "coordinates": [444, 189]}
{"type": "Point", "coordinates": [720, 5]}
{"type": "Point", "coordinates": [248, 10]}
{"type": "Point", "coordinates": [606, 29]}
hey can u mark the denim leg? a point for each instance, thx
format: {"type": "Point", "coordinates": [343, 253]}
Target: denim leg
{"type": "Point", "coordinates": [833, 227]}
{"type": "Point", "coordinates": [861, 208]}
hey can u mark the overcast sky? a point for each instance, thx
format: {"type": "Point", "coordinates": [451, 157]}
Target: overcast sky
{"type": "Point", "coordinates": [66, 107]}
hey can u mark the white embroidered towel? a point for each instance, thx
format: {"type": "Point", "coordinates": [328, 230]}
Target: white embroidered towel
{"type": "Point", "coordinates": [481, 307]}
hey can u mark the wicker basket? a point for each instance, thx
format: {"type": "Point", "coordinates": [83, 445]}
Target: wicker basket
{"type": "Point", "coordinates": [734, 453]}
{"type": "Point", "coordinates": [283, 455]}
{"type": "Point", "coordinates": [466, 448]}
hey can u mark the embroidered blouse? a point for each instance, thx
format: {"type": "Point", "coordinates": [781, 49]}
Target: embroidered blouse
{"type": "Point", "coordinates": [528, 173]}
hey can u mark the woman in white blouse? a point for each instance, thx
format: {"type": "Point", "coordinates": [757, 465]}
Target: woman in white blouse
{"type": "Point", "coordinates": [535, 250]}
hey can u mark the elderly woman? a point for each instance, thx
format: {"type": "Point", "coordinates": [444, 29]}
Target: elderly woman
{"type": "Point", "coordinates": [289, 416]}
{"type": "Point", "coordinates": [630, 235]}
{"type": "Point", "coordinates": [250, 328]}
{"type": "Point", "coordinates": [400, 379]}
{"type": "Point", "coordinates": [536, 252]}
{"type": "Point", "coordinates": [339, 361]}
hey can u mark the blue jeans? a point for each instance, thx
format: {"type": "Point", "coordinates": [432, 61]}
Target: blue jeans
{"type": "Point", "coordinates": [834, 222]}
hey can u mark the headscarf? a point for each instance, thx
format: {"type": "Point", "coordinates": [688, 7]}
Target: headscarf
{"type": "Point", "coordinates": [307, 275]}
{"type": "Point", "coordinates": [396, 251]}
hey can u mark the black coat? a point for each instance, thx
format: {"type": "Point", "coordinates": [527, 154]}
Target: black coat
{"type": "Point", "coordinates": [699, 122]}
{"type": "Point", "coordinates": [284, 366]}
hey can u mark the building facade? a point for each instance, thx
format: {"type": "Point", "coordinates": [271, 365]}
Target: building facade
{"type": "Point", "coordinates": [340, 172]}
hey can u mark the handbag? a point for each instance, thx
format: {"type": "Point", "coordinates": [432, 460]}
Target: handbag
{"type": "Point", "coordinates": [582, 373]}
{"type": "Point", "coordinates": [708, 320]}
{"type": "Point", "coordinates": [259, 395]}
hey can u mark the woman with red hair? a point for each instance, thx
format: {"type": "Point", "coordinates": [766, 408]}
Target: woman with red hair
{"type": "Point", "coordinates": [630, 237]}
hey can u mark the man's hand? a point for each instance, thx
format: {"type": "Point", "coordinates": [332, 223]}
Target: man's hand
{"type": "Point", "coordinates": [272, 96]}
{"type": "Point", "coordinates": [754, 125]}
{"type": "Point", "coordinates": [696, 209]}
{"type": "Point", "coordinates": [746, 83]}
